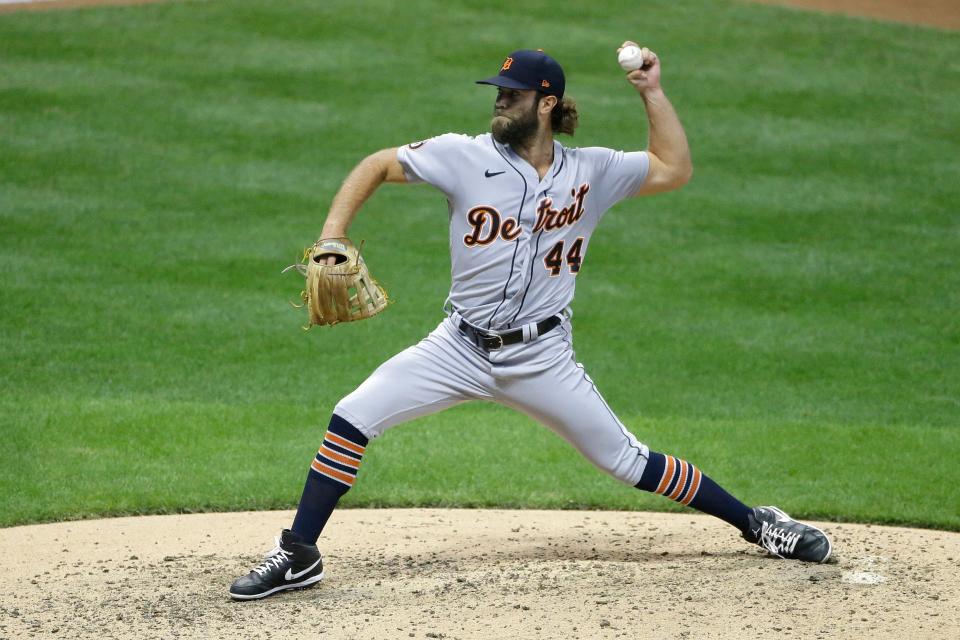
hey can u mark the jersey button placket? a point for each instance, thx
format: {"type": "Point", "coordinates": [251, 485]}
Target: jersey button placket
{"type": "Point", "coordinates": [526, 253]}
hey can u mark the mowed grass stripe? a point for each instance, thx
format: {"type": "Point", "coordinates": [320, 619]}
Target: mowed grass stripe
{"type": "Point", "coordinates": [788, 321]}
{"type": "Point", "coordinates": [218, 458]}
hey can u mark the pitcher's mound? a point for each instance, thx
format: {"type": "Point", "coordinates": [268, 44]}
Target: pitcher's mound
{"type": "Point", "coordinates": [433, 573]}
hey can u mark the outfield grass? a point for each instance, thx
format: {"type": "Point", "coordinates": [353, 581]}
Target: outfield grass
{"type": "Point", "coordinates": [788, 321]}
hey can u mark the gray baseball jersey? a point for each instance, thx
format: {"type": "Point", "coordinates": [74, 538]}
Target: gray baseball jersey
{"type": "Point", "coordinates": [516, 245]}
{"type": "Point", "coordinates": [516, 241]}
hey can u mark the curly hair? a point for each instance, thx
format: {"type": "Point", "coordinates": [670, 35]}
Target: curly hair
{"type": "Point", "coordinates": [564, 117]}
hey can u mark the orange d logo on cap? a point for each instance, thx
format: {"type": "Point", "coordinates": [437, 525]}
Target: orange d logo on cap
{"type": "Point", "coordinates": [529, 70]}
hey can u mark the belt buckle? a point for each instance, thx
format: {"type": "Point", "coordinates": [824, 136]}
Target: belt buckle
{"type": "Point", "coordinates": [499, 339]}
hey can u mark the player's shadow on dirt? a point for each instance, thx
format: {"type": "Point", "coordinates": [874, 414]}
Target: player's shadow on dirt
{"type": "Point", "coordinates": [560, 549]}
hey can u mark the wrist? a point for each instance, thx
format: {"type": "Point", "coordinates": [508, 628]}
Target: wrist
{"type": "Point", "coordinates": [333, 231]}
{"type": "Point", "coordinates": [652, 94]}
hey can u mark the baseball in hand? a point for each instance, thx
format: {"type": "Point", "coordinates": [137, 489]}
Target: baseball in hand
{"type": "Point", "coordinates": [630, 58]}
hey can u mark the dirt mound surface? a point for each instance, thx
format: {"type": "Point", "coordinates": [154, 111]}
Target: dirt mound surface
{"type": "Point", "coordinates": [432, 573]}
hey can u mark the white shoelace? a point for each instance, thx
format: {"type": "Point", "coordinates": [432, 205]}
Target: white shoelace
{"type": "Point", "coordinates": [275, 557]}
{"type": "Point", "coordinates": [777, 540]}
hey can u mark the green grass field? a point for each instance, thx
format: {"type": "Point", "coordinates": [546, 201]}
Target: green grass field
{"type": "Point", "coordinates": [788, 321]}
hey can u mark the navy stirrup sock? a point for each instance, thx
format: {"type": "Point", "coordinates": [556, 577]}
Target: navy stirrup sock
{"type": "Point", "coordinates": [682, 482]}
{"type": "Point", "coordinates": [331, 475]}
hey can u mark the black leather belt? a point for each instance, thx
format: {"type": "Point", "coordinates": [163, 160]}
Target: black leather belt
{"type": "Point", "coordinates": [489, 341]}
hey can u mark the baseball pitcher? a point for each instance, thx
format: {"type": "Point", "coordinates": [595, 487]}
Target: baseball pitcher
{"type": "Point", "coordinates": [522, 211]}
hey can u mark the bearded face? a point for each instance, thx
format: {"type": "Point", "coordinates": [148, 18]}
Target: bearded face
{"type": "Point", "coordinates": [514, 119]}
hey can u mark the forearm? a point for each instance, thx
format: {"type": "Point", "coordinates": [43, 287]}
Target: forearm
{"type": "Point", "coordinates": [355, 190]}
{"type": "Point", "coordinates": [668, 141]}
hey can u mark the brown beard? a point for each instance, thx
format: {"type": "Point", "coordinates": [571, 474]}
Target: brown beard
{"type": "Point", "coordinates": [515, 133]}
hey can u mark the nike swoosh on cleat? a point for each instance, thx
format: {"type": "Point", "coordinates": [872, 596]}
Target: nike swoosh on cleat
{"type": "Point", "coordinates": [293, 576]}
{"type": "Point", "coordinates": [490, 174]}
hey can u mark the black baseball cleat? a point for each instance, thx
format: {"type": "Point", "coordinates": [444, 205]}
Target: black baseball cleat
{"type": "Point", "coordinates": [784, 537]}
{"type": "Point", "coordinates": [290, 565]}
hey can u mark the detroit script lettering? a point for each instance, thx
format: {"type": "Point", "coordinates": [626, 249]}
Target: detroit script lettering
{"type": "Point", "coordinates": [489, 224]}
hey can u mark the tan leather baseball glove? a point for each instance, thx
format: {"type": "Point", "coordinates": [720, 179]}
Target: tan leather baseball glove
{"type": "Point", "coordinates": [340, 292]}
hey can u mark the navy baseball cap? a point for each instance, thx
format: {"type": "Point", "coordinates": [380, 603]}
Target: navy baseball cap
{"type": "Point", "coordinates": [528, 69]}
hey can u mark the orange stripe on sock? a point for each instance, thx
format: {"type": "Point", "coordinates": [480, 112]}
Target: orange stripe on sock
{"type": "Point", "coordinates": [343, 442]}
{"type": "Point", "coordinates": [694, 485]}
{"type": "Point", "coordinates": [339, 457]}
{"type": "Point", "coordinates": [682, 481]}
{"type": "Point", "coordinates": [667, 475]}
{"type": "Point", "coordinates": [330, 472]}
